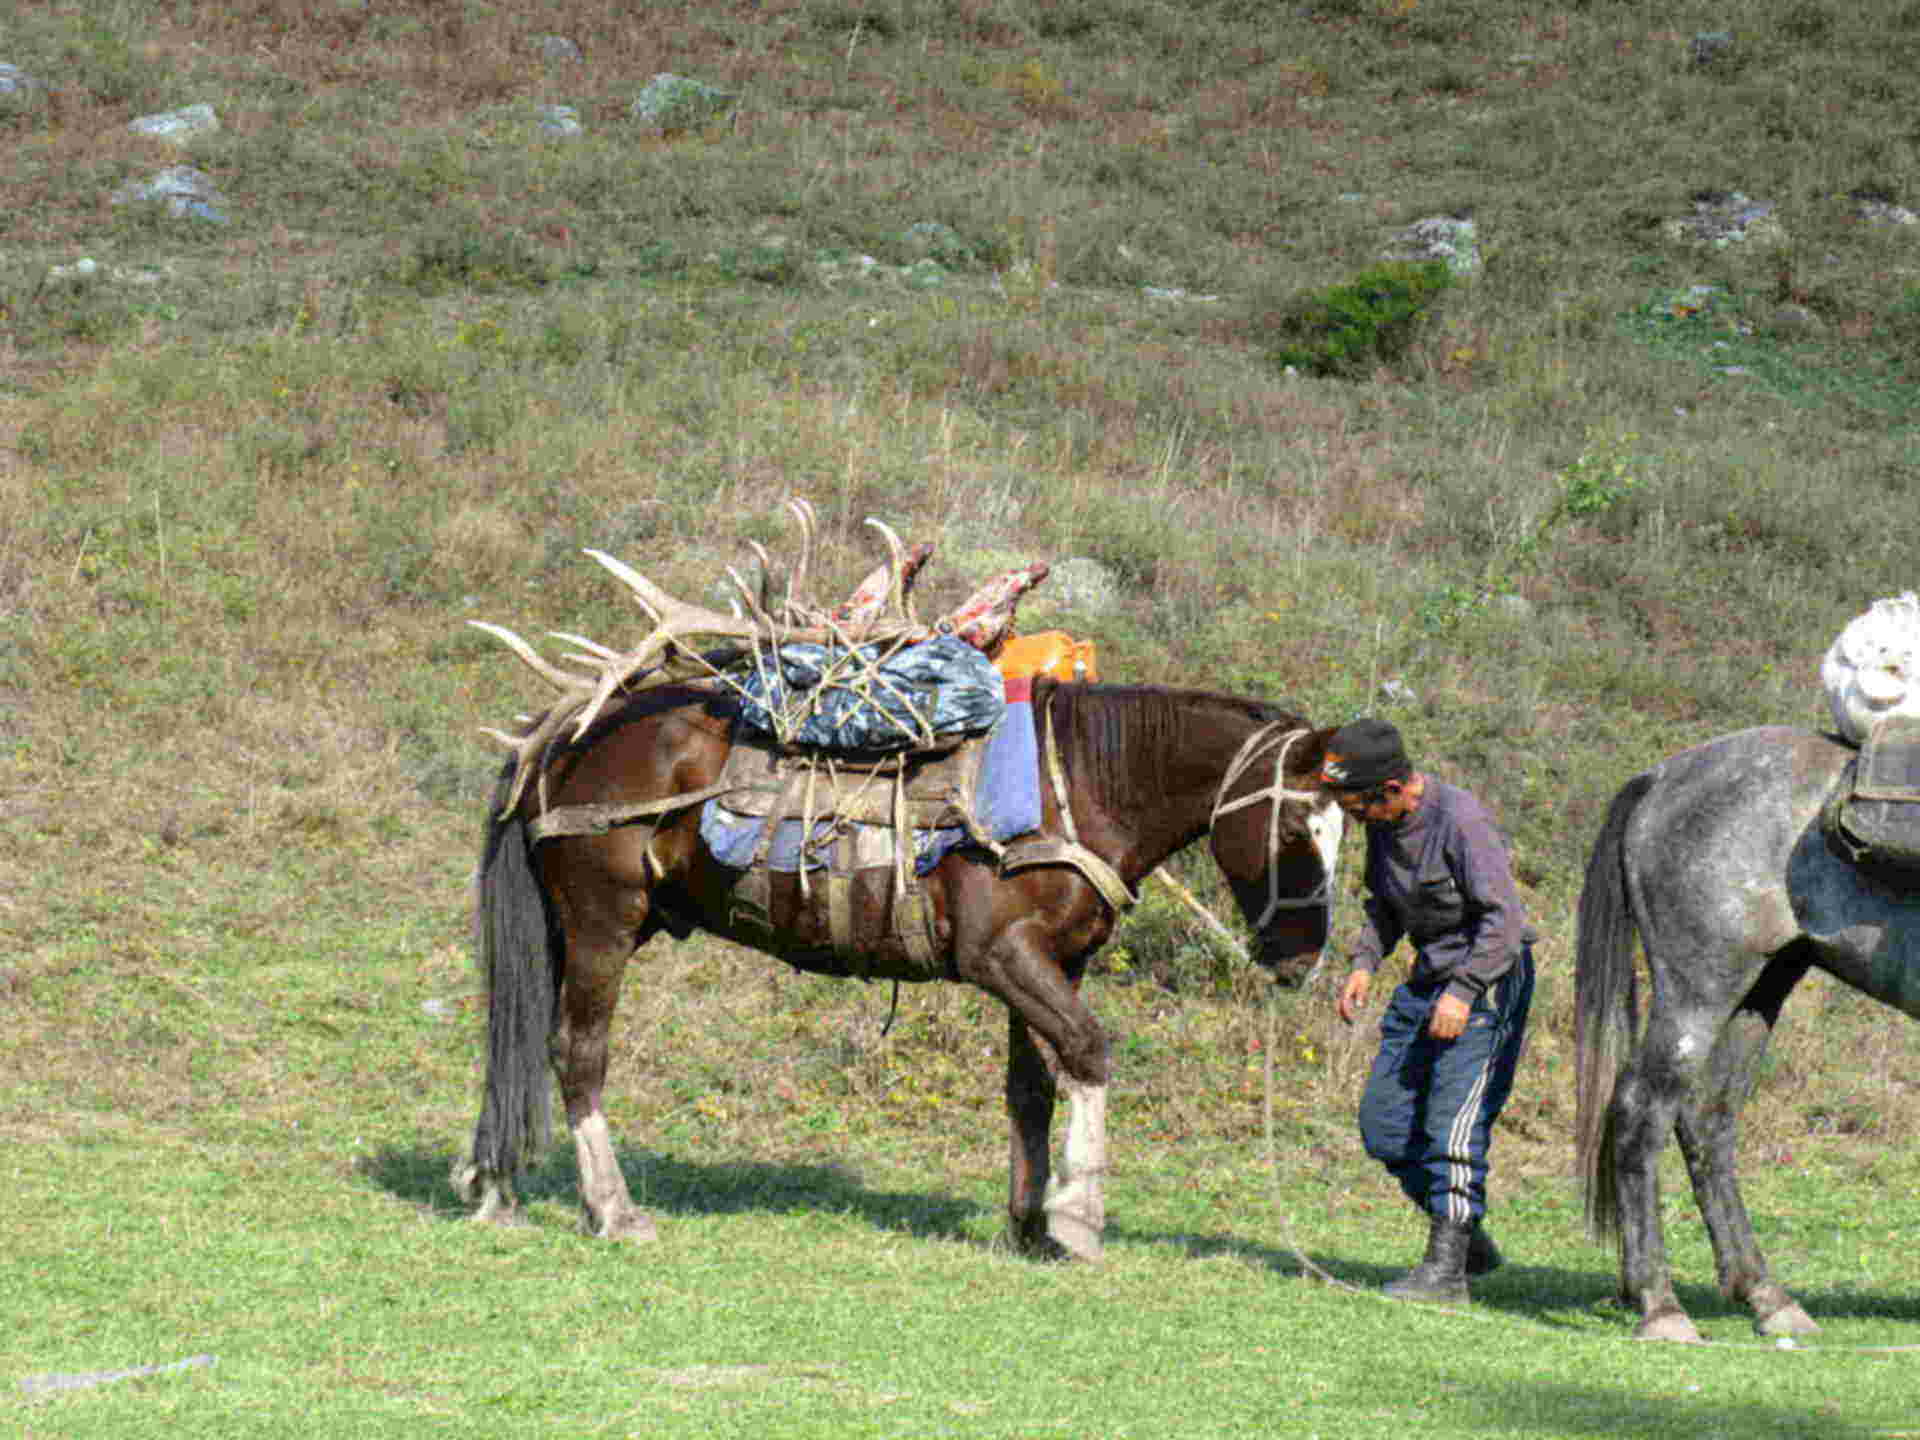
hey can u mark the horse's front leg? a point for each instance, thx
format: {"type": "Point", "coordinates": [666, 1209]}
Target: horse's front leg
{"type": "Point", "coordinates": [1077, 1205]}
{"type": "Point", "coordinates": [1054, 1041]}
{"type": "Point", "coordinates": [1054, 1216]}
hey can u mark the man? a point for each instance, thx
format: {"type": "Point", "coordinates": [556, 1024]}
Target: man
{"type": "Point", "coordinates": [1438, 874]}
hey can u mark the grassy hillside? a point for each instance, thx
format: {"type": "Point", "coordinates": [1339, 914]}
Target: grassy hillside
{"type": "Point", "coordinates": [1013, 276]}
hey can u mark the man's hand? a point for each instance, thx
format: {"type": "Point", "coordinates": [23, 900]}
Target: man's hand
{"type": "Point", "coordinates": [1449, 1017]}
{"type": "Point", "coordinates": [1353, 995]}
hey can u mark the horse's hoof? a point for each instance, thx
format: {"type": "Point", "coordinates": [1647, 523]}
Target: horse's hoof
{"type": "Point", "coordinates": [466, 1182]}
{"type": "Point", "coordinates": [1076, 1239]}
{"type": "Point", "coordinates": [635, 1227]}
{"type": "Point", "coordinates": [1670, 1325]}
{"type": "Point", "coordinates": [1788, 1320]}
{"type": "Point", "coordinates": [496, 1205]}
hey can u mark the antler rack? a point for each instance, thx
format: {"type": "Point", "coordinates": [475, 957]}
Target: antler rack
{"type": "Point", "coordinates": [676, 649]}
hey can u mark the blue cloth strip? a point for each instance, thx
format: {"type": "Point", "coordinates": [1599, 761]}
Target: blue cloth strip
{"type": "Point", "coordinates": [1007, 804]}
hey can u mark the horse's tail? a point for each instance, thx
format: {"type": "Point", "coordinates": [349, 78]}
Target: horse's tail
{"type": "Point", "coordinates": [519, 955]}
{"type": "Point", "coordinates": [1606, 1005]}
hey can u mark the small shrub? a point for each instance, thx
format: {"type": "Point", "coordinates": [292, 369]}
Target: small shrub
{"type": "Point", "coordinates": [471, 257]}
{"type": "Point", "coordinates": [1348, 329]}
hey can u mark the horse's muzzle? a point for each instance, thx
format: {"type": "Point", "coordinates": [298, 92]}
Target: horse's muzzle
{"type": "Point", "coordinates": [1289, 965]}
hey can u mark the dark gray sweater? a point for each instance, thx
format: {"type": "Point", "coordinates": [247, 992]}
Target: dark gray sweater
{"type": "Point", "coordinates": [1441, 877]}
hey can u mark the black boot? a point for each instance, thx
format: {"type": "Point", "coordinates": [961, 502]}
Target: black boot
{"type": "Point", "coordinates": [1442, 1275]}
{"type": "Point", "coordinates": [1483, 1256]}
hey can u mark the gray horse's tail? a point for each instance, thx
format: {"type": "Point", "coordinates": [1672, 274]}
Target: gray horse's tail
{"type": "Point", "coordinates": [1606, 1005]}
{"type": "Point", "coordinates": [519, 955]}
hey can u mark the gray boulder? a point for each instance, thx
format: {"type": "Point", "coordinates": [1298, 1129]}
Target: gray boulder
{"type": "Point", "coordinates": [555, 49]}
{"type": "Point", "coordinates": [559, 120]}
{"type": "Point", "coordinates": [1880, 209]}
{"type": "Point", "coordinates": [673, 102]}
{"type": "Point", "coordinates": [1449, 238]}
{"type": "Point", "coordinates": [1725, 218]}
{"type": "Point", "coordinates": [180, 126]}
{"type": "Point", "coordinates": [1083, 583]}
{"type": "Point", "coordinates": [1710, 47]}
{"type": "Point", "coordinates": [181, 191]}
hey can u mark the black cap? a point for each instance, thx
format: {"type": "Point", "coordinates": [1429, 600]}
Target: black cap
{"type": "Point", "coordinates": [1362, 755]}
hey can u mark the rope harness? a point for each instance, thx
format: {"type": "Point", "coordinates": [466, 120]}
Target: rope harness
{"type": "Point", "coordinates": [1278, 792]}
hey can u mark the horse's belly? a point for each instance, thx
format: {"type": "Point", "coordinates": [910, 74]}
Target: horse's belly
{"type": "Point", "coordinates": [845, 926]}
{"type": "Point", "coordinates": [1867, 933]}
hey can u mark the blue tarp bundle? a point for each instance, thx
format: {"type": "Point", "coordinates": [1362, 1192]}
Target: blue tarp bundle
{"type": "Point", "coordinates": [830, 698]}
{"type": "Point", "coordinates": [1007, 803]}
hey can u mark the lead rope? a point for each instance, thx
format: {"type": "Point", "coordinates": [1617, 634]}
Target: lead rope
{"type": "Point", "coordinates": [1320, 1273]}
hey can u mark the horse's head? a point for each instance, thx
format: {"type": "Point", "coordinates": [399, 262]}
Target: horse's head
{"type": "Point", "coordinates": [1276, 837]}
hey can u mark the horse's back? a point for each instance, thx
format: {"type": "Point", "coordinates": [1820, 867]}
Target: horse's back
{"type": "Point", "coordinates": [1734, 798]}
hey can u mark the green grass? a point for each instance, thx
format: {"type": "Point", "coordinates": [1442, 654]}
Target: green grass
{"type": "Point", "coordinates": [254, 479]}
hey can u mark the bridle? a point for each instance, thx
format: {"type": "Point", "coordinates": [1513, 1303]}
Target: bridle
{"type": "Point", "coordinates": [1278, 792]}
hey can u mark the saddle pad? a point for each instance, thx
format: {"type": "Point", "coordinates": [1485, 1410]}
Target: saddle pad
{"type": "Point", "coordinates": [1007, 803]}
{"type": "Point", "coordinates": [1890, 760]}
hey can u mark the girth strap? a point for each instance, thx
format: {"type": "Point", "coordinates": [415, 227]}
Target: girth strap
{"type": "Point", "coordinates": [1052, 850]}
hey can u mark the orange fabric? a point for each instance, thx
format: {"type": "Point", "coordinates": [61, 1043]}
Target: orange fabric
{"type": "Point", "coordinates": [1053, 653]}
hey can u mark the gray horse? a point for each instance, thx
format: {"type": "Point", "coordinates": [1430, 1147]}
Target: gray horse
{"type": "Point", "coordinates": [1716, 857]}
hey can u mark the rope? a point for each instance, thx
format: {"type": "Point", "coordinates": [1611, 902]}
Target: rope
{"type": "Point", "coordinates": [1291, 1241]}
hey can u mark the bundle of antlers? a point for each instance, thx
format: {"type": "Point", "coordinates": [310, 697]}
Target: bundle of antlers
{"type": "Point", "coordinates": [691, 641]}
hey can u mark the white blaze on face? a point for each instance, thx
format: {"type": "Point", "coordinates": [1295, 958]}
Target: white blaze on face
{"type": "Point", "coordinates": [1326, 825]}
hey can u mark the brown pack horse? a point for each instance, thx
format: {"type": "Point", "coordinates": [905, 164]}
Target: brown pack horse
{"type": "Point", "coordinates": [1143, 772]}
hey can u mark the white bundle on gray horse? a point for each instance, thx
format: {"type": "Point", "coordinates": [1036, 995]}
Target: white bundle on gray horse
{"type": "Point", "coordinates": [1872, 669]}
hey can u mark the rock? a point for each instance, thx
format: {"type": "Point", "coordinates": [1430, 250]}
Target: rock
{"type": "Point", "coordinates": [1879, 209]}
{"type": "Point", "coordinates": [1722, 218]}
{"type": "Point", "coordinates": [1450, 238]}
{"type": "Point", "coordinates": [673, 102]}
{"type": "Point", "coordinates": [1084, 584]}
{"type": "Point", "coordinates": [1710, 47]}
{"type": "Point", "coordinates": [184, 192]}
{"type": "Point", "coordinates": [924, 275]}
{"type": "Point", "coordinates": [86, 270]}
{"type": "Point", "coordinates": [556, 49]}
{"type": "Point", "coordinates": [930, 240]}
{"type": "Point", "coordinates": [1794, 322]}
{"type": "Point", "coordinates": [560, 120]}
{"type": "Point", "coordinates": [179, 126]}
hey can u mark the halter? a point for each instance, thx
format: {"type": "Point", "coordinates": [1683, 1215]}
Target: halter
{"type": "Point", "coordinates": [1277, 792]}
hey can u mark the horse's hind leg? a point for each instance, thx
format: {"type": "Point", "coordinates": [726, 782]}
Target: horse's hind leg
{"type": "Point", "coordinates": [602, 926]}
{"type": "Point", "coordinates": [1031, 1091]}
{"type": "Point", "coordinates": [1708, 1126]}
{"type": "Point", "coordinates": [1646, 1101]}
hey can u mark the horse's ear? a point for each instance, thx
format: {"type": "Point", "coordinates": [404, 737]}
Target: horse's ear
{"type": "Point", "coordinates": [1313, 749]}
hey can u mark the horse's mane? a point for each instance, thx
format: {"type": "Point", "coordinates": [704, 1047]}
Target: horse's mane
{"type": "Point", "coordinates": [1124, 737]}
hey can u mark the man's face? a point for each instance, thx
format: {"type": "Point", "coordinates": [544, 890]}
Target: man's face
{"type": "Point", "coordinates": [1383, 803]}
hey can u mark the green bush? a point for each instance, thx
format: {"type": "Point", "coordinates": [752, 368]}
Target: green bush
{"type": "Point", "coordinates": [1346, 330]}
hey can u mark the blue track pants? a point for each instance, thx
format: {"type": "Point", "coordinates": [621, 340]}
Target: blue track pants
{"type": "Point", "coordinates": [1428, 1110]}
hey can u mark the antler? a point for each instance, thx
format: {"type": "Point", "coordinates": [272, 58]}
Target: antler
{"type": "Point", "coordinates": [671, 651]}
{"type": "Point", "coordinates": [802, 509]}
